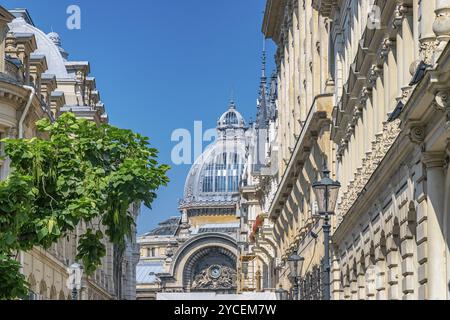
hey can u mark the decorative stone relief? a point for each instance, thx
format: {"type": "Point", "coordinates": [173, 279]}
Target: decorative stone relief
{"type": "Point", "coordinates": [380, 147]}
{"type": "Point", "coordinates": [442, 101]}
{"type": "Point", "coordinates": [215, 277]}
{"type": "Point", "coordinates": [427, 49]}
{"type": "Point", "coordinates": [417, 134]}
{"type": "Point", "coordinates": [400, 11]}
{"type": "Point", "coordinates": [373, 75]}
{"type": "Point", "coordinates": [385, 48]}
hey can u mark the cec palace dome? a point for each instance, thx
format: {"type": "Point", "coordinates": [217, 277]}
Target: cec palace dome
{"type": "Point", "coordinates": [215, 176]}
{"type": "Point", "coordinates": [197, 251]}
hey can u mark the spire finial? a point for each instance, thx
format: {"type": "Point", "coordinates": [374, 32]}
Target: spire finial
{"type": "Point", "coordinates": [264, 59]}
{"type": "Point", "coordinates": [232, 104]}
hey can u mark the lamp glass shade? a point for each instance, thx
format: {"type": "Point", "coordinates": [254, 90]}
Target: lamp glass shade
{"type": "Point", "coordinates": [281, 293]}
{"type": "Point", "coordinates": [326, 192]}
{"type": "Point", "coordinates": [76, 275]}
{"type": "Point", "coordinates": [295, 265]}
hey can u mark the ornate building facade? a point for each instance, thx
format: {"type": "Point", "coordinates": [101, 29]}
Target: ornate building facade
{"type": "Point", "coordinates": [298, 145]}
{"type": "Point", "coordinates": [391, 129]}
{"type": "Point", "coordinates": [38, 81]}
{"type": "Point", "coordinates": [197, 252]}
{"type": "Point", "coordinates": [362, 86]}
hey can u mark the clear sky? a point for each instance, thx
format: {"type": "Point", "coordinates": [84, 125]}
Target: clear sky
{"type": "Point", "coordinates": [161, 65]}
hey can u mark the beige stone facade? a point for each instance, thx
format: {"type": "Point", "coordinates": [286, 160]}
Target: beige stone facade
{"type": "Point", "coordinates": [363, 87]}
{"type": "Point", "coordinates": [37, 81]}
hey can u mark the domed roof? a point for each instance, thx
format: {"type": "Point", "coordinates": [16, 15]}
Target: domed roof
{"type": "Point", "coordinates": [215, 176]}
{"type": "Point", "coordinates": [45, 46]}
{"type": "Point", "coordinates": [231, 118]}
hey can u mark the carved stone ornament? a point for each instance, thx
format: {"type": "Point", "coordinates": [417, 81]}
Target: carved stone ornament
{"type": "Point", "coordinates": [400, 11]}
{"type": "Point", "coordinates": [380, 147]}
{"type": "Point", "coordinates": [215, 277]}
{"type": "Point", "coordinates": [417, 134]}
{"type": "Point", "coordinates": [365, 94]}
{"type": "Point", "coordinates": [427, 49]}
{"type": "Point", "coordinates": [373, 75]}
{"type": "Point", "coordinates": [442, 101]}
{"type": "Point", "coordinates": [385, 48]}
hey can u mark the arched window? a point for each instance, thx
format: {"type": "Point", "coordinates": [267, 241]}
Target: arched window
{"type": "Point", "coordinates": [43, 290]}
{"type": "Point", "coordinates": [53, 293]}
{"type": "Point", "coordinates": [231, 118]}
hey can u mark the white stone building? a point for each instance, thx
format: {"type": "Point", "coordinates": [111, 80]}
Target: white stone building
{"type": "Point", "coordinates": [35, 71]}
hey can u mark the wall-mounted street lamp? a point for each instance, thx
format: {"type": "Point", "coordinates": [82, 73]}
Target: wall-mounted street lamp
{"type": "Point", "coordinates": [295, 263]}
{"type": "Point", "coordinates": [326, 192]}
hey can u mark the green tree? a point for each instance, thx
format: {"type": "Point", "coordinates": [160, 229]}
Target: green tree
{"type": "Point", "coordinates": [81, 172]}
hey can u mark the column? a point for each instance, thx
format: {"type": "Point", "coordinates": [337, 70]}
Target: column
{"type": "Point", "coordinates": [441, 25]}
{"type": "Point", "coordinates": [427, 37]}
{"type": "Point", "coordinates": [437, 287]}
{"type": "Point", "coordinates": [408, 45]}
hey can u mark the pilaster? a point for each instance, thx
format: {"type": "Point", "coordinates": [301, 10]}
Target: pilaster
{"type": "Point", "coordinates": [436, 247]}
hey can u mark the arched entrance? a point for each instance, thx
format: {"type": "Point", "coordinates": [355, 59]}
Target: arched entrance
{"type": "Point", "coordinates": [211, 269]}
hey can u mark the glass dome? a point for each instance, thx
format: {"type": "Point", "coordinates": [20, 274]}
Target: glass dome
{"type": "Point", "coordinates": [231, 118]}
{"type": "Point", "coordinates": [216, 175]}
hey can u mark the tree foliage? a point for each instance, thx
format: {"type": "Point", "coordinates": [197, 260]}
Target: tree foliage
{"type": "Point", "coordinates": [80, 173]}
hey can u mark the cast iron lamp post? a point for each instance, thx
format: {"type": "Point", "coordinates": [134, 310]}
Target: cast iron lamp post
{"type": "Point", "coordinates": [295, 267]}
{"type": "Point", "coordinates": [326, 192]}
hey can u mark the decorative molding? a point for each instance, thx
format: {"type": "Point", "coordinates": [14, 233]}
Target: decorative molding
{"type": "Point", "coordinates": [442, 101]}
{"type": "Point", "coordinates": [366, 92]}
{"type": "Point", "coordinates": [386, 46]}
{"type": "Point", "coordinates": [416, 133]}
{"type": "Point", "coordinates": [399, 14]}
{"type": "Point", "coordinates": [215, 277]}
{"type": "Point", "coordinates": [434, 159]}
{"type": "Point", "coordinates": [406, 93]}
{"type": "Point", "coordinates": [426, 50]}
{"type": "Point", "coordinates": [373, 75]}
{"type": "Point", "coordinates": [380, 147]}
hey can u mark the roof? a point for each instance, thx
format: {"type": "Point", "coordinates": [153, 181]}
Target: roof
{"type": "Point", "coordinates": [45, 46]}
{"type": "Point", "coordinates": [217, 228]}
{"type": "Point", "coordinates": [166, 228]}
{"type": "Point", "coordinates": [146, 272]}
{"type": "Point", "coordinates": [22, 13]}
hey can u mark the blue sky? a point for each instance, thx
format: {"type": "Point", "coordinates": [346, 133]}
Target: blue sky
{"type": "Point", "coordinates": [161, 65]}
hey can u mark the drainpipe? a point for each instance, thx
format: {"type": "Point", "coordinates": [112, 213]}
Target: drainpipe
{"type": "Point", "coordinates": [25, 111]}
{"type": "Point", "coordinates": [21, 134]}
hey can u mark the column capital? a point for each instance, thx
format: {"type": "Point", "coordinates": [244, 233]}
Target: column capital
{"type": "Point", "coordinates": [441, 25]}
{"type": "Point", "coordinates": [433, 159]}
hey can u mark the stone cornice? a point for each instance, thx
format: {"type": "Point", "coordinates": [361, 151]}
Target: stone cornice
{"type": "Point", "coordinates": [318, 116]}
